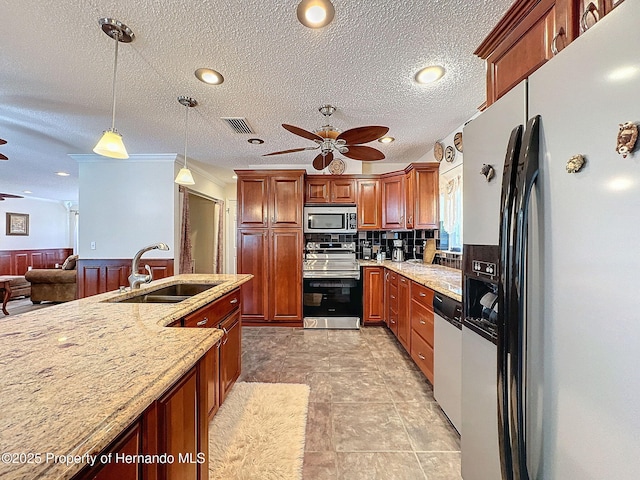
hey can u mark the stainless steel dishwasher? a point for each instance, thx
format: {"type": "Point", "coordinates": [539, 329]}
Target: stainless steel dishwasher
{"type": "Point", "coordinates": [447, 361]}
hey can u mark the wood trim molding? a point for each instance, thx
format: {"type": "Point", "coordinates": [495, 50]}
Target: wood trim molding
{"type": "Point", "coordinates": [17, 262]}
{"type": "Point", "coordinates": [104, 275]}
{"type": "Point", "coordinates": [516, 13]}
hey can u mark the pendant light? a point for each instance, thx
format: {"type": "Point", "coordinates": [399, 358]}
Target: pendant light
{"type": "Point", "coordinates": [111, 145]}
{"type": "Point", "coordinates": [184, 176]}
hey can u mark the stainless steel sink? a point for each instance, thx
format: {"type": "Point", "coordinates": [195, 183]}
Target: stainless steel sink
{"type": "Point", "coordinates": [169, 294]}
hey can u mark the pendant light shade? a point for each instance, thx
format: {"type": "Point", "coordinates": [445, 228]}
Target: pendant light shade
{"type": "Point", "coordinates": [111, 144]}
{"type": "Point", "coordinates": [184, 176]}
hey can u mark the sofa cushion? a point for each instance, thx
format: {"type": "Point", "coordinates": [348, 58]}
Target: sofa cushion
{"type": "Point", "coordinates": [70, 262]}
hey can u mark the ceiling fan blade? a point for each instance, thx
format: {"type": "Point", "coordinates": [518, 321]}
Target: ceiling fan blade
{"type": "Point", "coordinates": [361, 152]}
{"type": "Point", "coordinates": [291, 151]}
{"type": "Point", "coordinates": [358, 135]}
{"type": "Point", "coordinates": [2, 141]}
{"type": "Point", "coordinates": [302, 133]}
{"type": "Point", "coordinates": [8, 195]}
{"type": "Point", "coordinates": [3, 157]}
{"type": "Point", "coordinates": [322, 161]}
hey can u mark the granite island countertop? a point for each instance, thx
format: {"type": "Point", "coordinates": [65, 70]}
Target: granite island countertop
{"type": "Point", "coordinates": [75, 375]}
{"type": "Point", "coordinates": [444, 280]}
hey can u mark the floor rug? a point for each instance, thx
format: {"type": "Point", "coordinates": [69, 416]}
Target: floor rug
{"type": "Point", "coordinates": [259, 433]}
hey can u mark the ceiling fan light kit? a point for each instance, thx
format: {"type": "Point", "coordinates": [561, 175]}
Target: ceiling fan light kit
{"type": "Point", "coordinates": [430, 74]}
{"type": "Point", "coordinates": [184, 176]}
{"type": "Point", "coordinates": [386, 139]}
{"type": "Point", "coordinates": [111, 144]}
{"type": "Point", "coordinates": [315, 13]}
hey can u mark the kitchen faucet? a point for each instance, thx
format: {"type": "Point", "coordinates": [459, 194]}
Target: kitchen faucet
{"type": "Point", "coordinates": [135, 279]}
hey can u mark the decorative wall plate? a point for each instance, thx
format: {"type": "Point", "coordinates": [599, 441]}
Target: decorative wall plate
{"type": "Point", "coordinates": [438, 151]}
{"type": "Point", "coordinates": [337, 166]}
{"type": "Point", "coordinates": [457, 141]}
{"type": "Point", "coordinates": [449, 154]}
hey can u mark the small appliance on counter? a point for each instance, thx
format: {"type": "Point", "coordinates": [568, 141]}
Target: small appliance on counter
{"type": "Point", "coordinates": [397, 255]}
{"type": "Point", "coordinates": [366, 250]}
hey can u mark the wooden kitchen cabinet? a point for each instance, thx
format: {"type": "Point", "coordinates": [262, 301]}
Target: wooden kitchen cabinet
{"type": "Point", "coordinates": [391, 300]}
{"type": "Point", "coordinates": [230, 353]}
{"type": "Point", "coordinates": [272, 250]}
{"type": "Point", "coordinates": [373, 295]}
{"type": "Point", "coordinates": [422, 328]}
{"type": "Point", "coordinates": [270, 198]}
{"type": "Point", "coordinates": [393, 202]}
{"type": "Point", "coordinates": [320, 189]}
{"type": "Point", "coordinates": [369, 203]}
{"type": "Point", "coordinates": [404, 318]}
{"type": "Point", "coordinates": [425, 181]}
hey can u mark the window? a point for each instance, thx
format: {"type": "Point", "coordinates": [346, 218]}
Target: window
{"type": "Point", "coordinates": [451, 210]}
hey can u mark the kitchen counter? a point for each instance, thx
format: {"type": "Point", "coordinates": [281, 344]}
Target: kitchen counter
{"type": "Point", "coordinates": [444, 280]}
{"type": "Point", "coordinates": [75, 375]}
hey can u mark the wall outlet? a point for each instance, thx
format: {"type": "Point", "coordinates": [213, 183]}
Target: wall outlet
{"type": "Point", "coordinates": [93, 245]}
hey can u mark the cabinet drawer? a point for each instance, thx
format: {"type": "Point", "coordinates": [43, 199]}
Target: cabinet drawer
{"type": "Point", "coordinates": [422, 322]}
{"type": "Point", "coordinates": [422, 295]}
{"type": "Point", "coordinates": [393, 298]}
{"type": "Point", "coordinates": [422, 354]}
{"type": "Point", "coordinates": [208, 316]}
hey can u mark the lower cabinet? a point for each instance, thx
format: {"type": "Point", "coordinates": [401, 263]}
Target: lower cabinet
{"type": "Point", "coordinates": [230, 353]}
{"type": "Point", "coordinates": [373, 295]}
{"type": "Point", "coordinates": [404, 312]}
{"type": "Point", "coordinates": [391, 300]}
{"type": "Point", "coordinates": [422, 318]}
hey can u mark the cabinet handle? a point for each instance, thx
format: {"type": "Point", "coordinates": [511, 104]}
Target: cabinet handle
{"type": "Point", "coordinates": [554, 47]}
{"type": "Point", "coordinates": [273, 219]}
{"type": "Point", "coordinates": [235, 300]}
{"type": "Point", "coordinates": [393, 296]}
{"type": "Point", "coordinates": [591, 9]}
{"type": "Point", "coordinates": [202, 322]}
{"type": "Point", "coordinates": [393, 321]}
{"type": "Point", "coordinates": [422, 357]}
{"type": "Point", "coordinates": [401, 218]}
{"type": "Point", "coordinates": [410, 219]}
{"type": "Point", "coordinates": [226, 336]}
{"type": "Point", "coordinates": [386, 276]}
{"type": "Point", "coordinates": [422, 322]}
{"type": "Point", "coordinates": [422, 294]}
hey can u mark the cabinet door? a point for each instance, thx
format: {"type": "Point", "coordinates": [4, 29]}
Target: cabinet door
{"type": "Point", "coordinates": [316, 190]}
{"type": "Point", "coordinates": [286, 199]}
{"type": "Point", "coordinates": [342, 190]}
{"type": "Point", "coordinates": [404, 321]}
{"type": "Point", "coordinates": [422, 354]}
{"type": "Point", "coordinates": [178, 428]}
{"type": "Point", "coordinates": [253, 258]}
{"type": "Point", "coordinates": [230, 353]}
{"type": "Point", "coordinates": [252, 202]}
{"type": "Point", "coordinates": [426, 212]}
{"type": "Point", "coordinates": [373, 293]}
{"type": "Point", "coordinates": [126, 444]}
{"type": "Point", "coordinates": [369, 204]}
{"type": "Point", "coordinates": [410, 198]}
{"type": "Point", "coordinates": [210, 371]}
{"type": "Point", "coordinates": [391, 300]}
{"type": "Point", "coordinates": [393, 198]}
{"type": "Point", "coordinates": [285, 277]}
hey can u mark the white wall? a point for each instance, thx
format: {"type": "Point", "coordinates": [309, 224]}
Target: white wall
{"type": "Point", "coordinates": [50, 224]}
{"type": "Point", "coordinates": [126, 205]}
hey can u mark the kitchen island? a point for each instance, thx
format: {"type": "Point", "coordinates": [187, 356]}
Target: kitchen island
{"type": "Point", "coordinates": [76, 375]}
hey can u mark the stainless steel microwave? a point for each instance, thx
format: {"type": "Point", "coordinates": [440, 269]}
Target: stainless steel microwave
{"type": "Point", "coordinates": [330, 219]}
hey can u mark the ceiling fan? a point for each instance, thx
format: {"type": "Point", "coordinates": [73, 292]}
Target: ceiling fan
{"type": "Point", "coordinates": [8, 195]}
{"type": "Point", "coordinates": [3, 157]}
{"type": "Point", "coordinates": [329, 140]}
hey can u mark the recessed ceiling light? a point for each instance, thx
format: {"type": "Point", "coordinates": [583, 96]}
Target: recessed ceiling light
{"type": "Point", "coordinates": [386, 139]}
{"type": "Point", "coordinates": [315, 13]}
{"type": "Point", "coordinates": [27, 191]}
{"type": "Point", "coordinates": [430, 74]}
{"type": "Point", "coordinates": [209, 76]}
{"type": "Point", "coordinates": [63, 174]}
{"type": "Point", "coordinates": [255, 141]}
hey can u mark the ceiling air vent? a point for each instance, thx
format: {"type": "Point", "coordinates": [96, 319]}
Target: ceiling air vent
{"type": "Point", "coordinates": [238, 124]}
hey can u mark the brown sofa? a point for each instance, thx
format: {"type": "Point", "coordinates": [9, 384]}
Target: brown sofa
{"type": "Point", "coordinates": [54, 284]}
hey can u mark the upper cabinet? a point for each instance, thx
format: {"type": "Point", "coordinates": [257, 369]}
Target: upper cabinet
{"type": "Point", "coordinates": [410, 198]}
{"type": "Point", "coordinates": [330, 189]}
{"type": "Point", "coordinates": [270, 198]}
{"type": "Point", "coordinates": [530, 34]}
{"type": "Point", "coordinates": [369, 203]}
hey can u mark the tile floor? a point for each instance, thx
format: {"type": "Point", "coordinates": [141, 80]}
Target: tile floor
{"type": "Point", "coordinates": [372, 414]}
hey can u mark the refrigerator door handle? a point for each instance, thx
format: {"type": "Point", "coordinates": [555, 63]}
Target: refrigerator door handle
{"type": "Point", "coordinates": [527, 175]}
{"type": "Point", "coordinates": [506, 239]}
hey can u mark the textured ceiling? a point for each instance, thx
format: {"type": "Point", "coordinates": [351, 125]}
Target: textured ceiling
{"type": "Point", "coordinates": [56, 69]}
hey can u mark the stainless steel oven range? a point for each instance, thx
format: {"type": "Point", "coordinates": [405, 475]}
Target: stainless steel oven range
{"type": "Point", "coordinates": [332, 286]}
